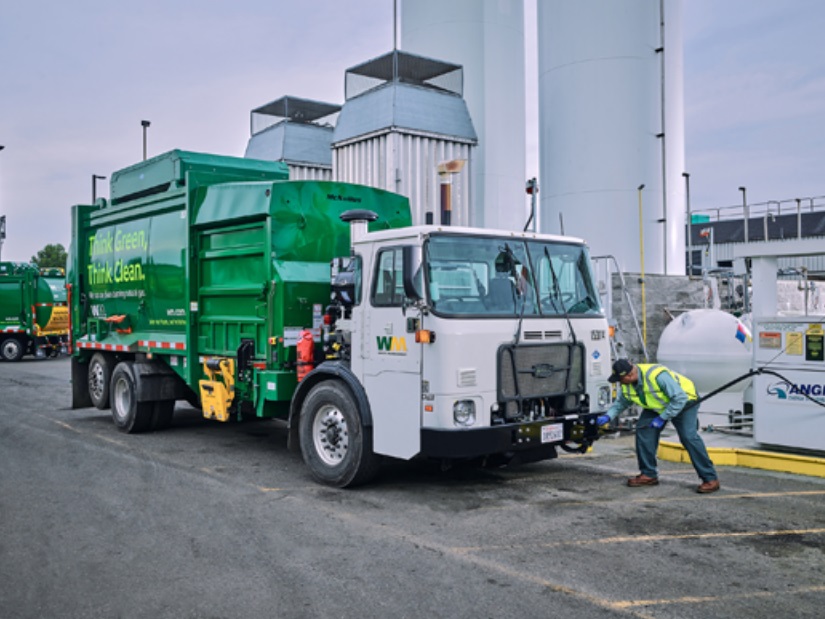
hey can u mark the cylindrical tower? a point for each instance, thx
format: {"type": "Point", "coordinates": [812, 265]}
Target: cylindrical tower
{"type": "Point", "coordinates": [487, 38]}
{"type": "Point", "coordinates": [611, 118]}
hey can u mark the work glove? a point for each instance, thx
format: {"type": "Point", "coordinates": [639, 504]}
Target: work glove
{"type": "Point", "coordinates": [657, 423]}
{"type": "Point", "coordinates": [602, 419]}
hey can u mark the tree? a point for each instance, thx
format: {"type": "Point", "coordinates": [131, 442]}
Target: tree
{"type": "Point", "coordinates": [51, 256]}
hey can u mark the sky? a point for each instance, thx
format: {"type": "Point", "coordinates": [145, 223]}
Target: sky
{"type": "Point", "coordinates": [78, 76]}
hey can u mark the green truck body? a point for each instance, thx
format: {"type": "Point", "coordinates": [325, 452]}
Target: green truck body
{"type": "Point", "coordinates": [201, 256]}
{"type": "Point", "coordinates": [33, 312]}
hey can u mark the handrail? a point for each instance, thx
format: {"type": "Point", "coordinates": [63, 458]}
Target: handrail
{"type": "Point", "coordinates": [623, 286]}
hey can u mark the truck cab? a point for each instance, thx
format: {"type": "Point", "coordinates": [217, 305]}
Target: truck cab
{"type": "Point", "coordinates": [461, 343]}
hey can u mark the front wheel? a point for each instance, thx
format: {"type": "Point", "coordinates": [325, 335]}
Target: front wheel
{"type": "Point", "coordinates": [336, 446]}
{"type": "Point", "coordinates": [12, 349]}
{"type": "Point", "coordinates": [129, 415]}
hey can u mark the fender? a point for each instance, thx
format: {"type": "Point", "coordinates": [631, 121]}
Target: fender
{"type": "Point", "coordinates": [328, 370]}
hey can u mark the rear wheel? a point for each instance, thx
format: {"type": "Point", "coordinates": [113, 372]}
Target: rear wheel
{"type": "Point", "coordinates": [129, 415]}
{"type": "Point", "coordinates": [336, 446]}
{"type": "Point", "coordinates": [11, 349]}
{"type": "Point", "coordinates": [100, 376]}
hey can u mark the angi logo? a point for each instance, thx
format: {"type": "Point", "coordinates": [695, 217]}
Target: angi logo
{"type": "Point", "coordinates": [388, 344]}
{"type": "Point", "coordinates": [780, 390]}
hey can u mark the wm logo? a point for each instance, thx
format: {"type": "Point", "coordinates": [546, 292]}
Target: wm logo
{"type": "Point", "coordinates": [390, 344]}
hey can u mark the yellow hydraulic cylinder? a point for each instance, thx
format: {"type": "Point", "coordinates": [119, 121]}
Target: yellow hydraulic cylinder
{"type": "Point", "coordinates": [218, 389]}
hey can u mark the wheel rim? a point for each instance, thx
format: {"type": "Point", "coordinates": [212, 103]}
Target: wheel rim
{"type": "Point", "coordinates": [10, 349]}
{"type": "Point", "coordinates": [122, 399]}
{"type": "Point", "coordinates": [96, 381]}
{"type": "Point", "coordinates": [330, 435]}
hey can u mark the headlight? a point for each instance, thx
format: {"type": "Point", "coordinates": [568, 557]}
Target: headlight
{"type": "Point", "coordinates": [604, 397]}
{"type": "Point", "coordinates": [464, 413]}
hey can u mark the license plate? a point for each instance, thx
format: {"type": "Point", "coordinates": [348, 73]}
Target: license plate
{"type": "Point", "coordinates": [552, 433]}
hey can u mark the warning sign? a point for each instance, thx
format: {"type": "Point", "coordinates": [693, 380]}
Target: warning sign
{"type": "Point", "coordinates": [770, 339]}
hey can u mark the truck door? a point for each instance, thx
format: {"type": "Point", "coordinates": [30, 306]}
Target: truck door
{"type": "Point", "coordinates": [392, 359]}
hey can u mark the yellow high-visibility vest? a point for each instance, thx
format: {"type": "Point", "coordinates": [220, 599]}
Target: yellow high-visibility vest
{"type": "Point", "coordinates": [656, 399]}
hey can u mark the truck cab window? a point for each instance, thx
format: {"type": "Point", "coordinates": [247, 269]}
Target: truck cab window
{"type": "Point", "coordinates": [388, 285]}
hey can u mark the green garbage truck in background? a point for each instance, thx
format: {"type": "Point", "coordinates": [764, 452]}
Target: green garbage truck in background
{"type": "Point", "coordinates": [33, 311]}
{"type": "Point", "coordinates": [218, 281]}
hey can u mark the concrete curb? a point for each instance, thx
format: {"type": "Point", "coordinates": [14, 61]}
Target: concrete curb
{"type": "Point", "coordinates": [749, 458]}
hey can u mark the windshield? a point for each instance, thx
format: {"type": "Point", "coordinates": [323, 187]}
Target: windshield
{"type": "Point", "coordinates": [481, 276]}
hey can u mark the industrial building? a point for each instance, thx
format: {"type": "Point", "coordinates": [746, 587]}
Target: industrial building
{"type": "Point", "coordinates": [441, 120]}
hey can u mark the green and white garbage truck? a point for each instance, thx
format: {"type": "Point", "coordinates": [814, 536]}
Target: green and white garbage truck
{"type": "Point", "coordinates": [216, 280]}
{"type": "Point", "coordinates": [34, 318]}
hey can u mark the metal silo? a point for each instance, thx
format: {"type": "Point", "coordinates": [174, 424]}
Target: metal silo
{"type": "Point", "coordinates": [403, 122]}
{"type": "Point", "coordinates": [297, 132]}
{"type": "Point", "coordinates": [611, 119]}
{"type": "Point", "coordinates": [486, 37]}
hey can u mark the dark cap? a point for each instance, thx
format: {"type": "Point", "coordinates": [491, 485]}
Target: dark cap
{"type": "Point", "coordinates": [620, 368]}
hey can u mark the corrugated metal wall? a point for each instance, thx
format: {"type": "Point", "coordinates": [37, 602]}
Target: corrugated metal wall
{"type": "Point", "coordinates": [309, 173]}
{"type": "Point", "coordinates": [407, 163]}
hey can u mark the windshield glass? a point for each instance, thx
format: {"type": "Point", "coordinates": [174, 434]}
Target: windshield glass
{"type": "Point", "coordinates": [482, 276]}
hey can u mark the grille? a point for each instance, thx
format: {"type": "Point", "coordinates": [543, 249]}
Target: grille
{"type": "Point", "coordinates": [540, 371]}
{"type": "Point", "coordinates": [541, 335]}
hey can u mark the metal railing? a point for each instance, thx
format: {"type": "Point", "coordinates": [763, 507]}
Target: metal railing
{"type": "Point", "coordinates": [768, 211]}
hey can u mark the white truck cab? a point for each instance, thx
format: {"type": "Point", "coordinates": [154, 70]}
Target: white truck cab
{"type": "Point", "coordinates": [459, 343]}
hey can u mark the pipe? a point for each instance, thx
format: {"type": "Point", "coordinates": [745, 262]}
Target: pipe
{"type": "Point", "coordinates": [745, 212]}
{"type": "Point", "coordinates": [642, 268]}
{"type": "Point", "coordinates": [689, 225]}
{"type": "Point", "coordinates": [662, 107]}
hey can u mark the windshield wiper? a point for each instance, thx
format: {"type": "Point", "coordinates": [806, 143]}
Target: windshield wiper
{"type": "Point", "coordinates": [558, 295]}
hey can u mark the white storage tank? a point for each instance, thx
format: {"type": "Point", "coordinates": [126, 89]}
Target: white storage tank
{"type": "Point", "coordinates": [611, 118]}
{"type": "Point", "coordinates": [486, 37]}
{"type": "Point", "coordinates": [710, 347]}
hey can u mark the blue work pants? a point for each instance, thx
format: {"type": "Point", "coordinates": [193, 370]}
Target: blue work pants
{"type": "Point", "coordinates": [687, 426]}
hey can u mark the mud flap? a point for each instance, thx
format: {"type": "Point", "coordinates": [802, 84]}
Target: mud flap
{"type": "Point", "coordinates": [80, 384]}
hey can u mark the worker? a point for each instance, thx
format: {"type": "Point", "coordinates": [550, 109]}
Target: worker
{"type": "Point", "coordinates": [665, 396]}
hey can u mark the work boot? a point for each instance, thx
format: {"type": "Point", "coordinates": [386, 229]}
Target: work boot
{"type": "Point", "coordinates": [642, 480]}
{"type": "Point", "coordinates": [707, 487]}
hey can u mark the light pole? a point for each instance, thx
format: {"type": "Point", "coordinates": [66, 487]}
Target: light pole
{"type": "Point", "coordinates": [95, 178]}
{"type": "Point", "coordinates": [2, 225]}
{"type": "Point", "coordinates": [689, 224]}
{"type": "Point", "coordinates": [745, 212]}
{"type": "Point", "coordinates": [145, 124]}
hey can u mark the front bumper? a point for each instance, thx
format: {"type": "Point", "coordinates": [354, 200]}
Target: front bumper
{"type": "Point", "coordinates": [539, 436]}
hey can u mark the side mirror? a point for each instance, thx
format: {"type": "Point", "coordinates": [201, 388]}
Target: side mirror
{"type": "Point", "coordinates": [410, 289]}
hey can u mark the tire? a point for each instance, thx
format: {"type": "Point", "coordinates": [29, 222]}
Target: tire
{"type": "Point", "coordinates": [162, 413]}
{"type": "Point", "coordinates": [336, 446]}
{"type": "Point", "coordinates": [129, 415]}
{"type": "Point", "coordinates": [11, 349]}
{"type": "Point", "coordinates": [100, 378]}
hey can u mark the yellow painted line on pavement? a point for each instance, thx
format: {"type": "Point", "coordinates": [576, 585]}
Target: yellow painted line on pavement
{"type": "Point", "coordinates": [647, 538]}
{"type": "Point", "coordinates": [750, 458]}
{"type": "Point", "coordinates": [65, 425]}
{"type": "Point", "coordinates": [718, 598]}
{"type": "Point", "coordinates": [102, 437]}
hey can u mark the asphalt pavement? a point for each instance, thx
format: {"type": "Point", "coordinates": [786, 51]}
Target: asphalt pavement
{"type": "Point", "coordinates": [210, 520]}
